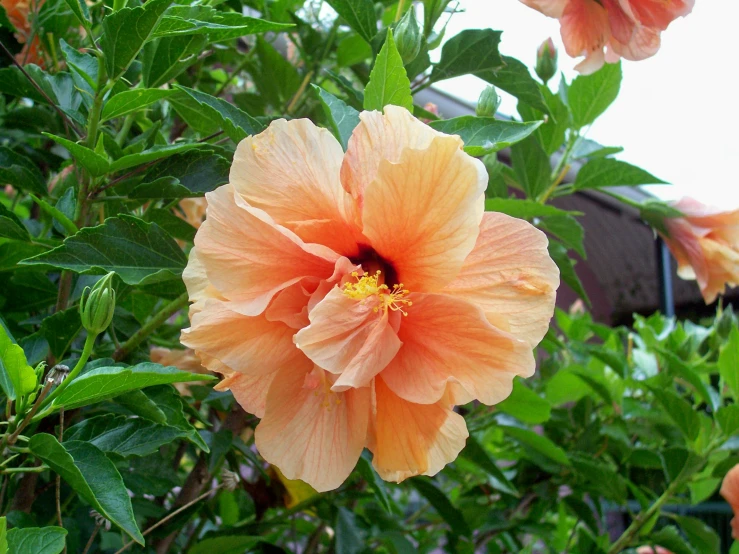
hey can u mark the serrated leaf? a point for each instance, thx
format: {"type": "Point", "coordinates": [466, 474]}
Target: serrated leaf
{"type": "Point", "coordinates": [472, 51]}
{"type": "Point", "coordinates": [81, 12]}
{"type": "Point", "coordinates": [236, 123]}
{"type": "Point", "coordinates": [92, 475]}
{"type": "Point", "coordinates": [523, 209]}
{"type": "Point", "coordinates": [17, 378]}
{"type": "Point", "coordinates": [108, 382]}
{"type": "Point", "coordinates": [184, 175]}
{"type": "Point", "coordinates": [276, 79]}
{"type": "Point", "coordinates": [164, 59]}
{"type": "Point", "coordinates": [485, 135]}
{"type": "Point", "coordinates": [21, 172]}
{"type": "Point", "coordinates": [171, 403]}
{"type": "Point", "coordinates": [586, 148]}
{"type": "Point", "coordinates": [95, 164]}
{"type": "Point", "coordinates": [539, 443]}
{"type": "Point", "coordinates": [181, 20]}
{"type": "Point", "coordinates": [126, 31]}
{"type": "Point", "coordinates": [388, 83]}
{"type": "Point", "coordinates": [10, 226]}
{"type": "Point", "coordinates": [132, 100]}
{"type": "Point", "coordinates": [36, 540]}
{"type": "Point", "coordinates": [139, 252]}
{"type": "Point", "coordinates": [84, 65]}
{"type": "Point", "coordinates": [359, 14]}
{"type": "Point", "coordinates": [607, 172]}
{"type": "Point", "coordinates": [589, 96]}
{"type": "Point", "coordinates": [121, 435]}
{"type": "Point", "coordinates": [342, 117]}
{"type": "Point", "coordinates": [442, 505]}
{"type": "Point", "coordinates": [152, 154]}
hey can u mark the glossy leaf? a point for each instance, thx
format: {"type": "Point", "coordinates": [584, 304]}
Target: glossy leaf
{"type": "Point", "coordinates": [184, 175]}
{"type": "Point", "coordinates": [728, 362]}
{"type": "Point", "coordinates": [164, 59]}
{"type": "Point", "coordinates": [607, 172]}
{"type": "Point", "coordinates": [342, 117]}
{"type": "Point", "coordinates": [388, 82]}
{"type": "Point", "coordinates": [36, 540]}
{"type": "Point", "coordinates": [532, 166]}
{"type": "Point", "coordinates": [10, 226]}
{"type": "Point", "coordinates": [359, 14]}
{"type": "Point", "coordinates": [17, 378]}
{"type": "Point", "coordinates": [524, 209]}
{"type": "Point", "coordinates": [515, 79]}
{"type": "Point", "coordinates": [472, 51]}
{"type": "Point", "coordinates": [485, 135]}
{"type": "Point", "coordinates": [590, 95]}
{"type": "Point", "coordinates": [525, 405]}
{"type": "Point", "coordinates": [133, 100]}
{"type": "Point", "coordinates": [95, 164]}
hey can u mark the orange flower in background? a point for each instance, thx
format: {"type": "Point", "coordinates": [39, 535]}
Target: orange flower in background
{"type": "Point", "coordinates": [730, 492]}
{"type": "Point", "coordinates": [607, 30]}
{"type": "Point", "coordinates": [705, 244]}
{"type": "Point", "coordinates": [184, 359]}
{"type": "Point", "coordinates": [18, 12]}
{"type": "Point", "coordinates": [352, 300]}
{"type": "Point", "coordinates": [192, 210]}
{"type": "Point", "coordinates": [652, 550]}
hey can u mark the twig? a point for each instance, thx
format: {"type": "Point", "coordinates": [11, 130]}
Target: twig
{"type": "Point", "coordinates": [299, 92]}
{"type": "Point", "coordinates": [58, 484]}
{"type": "Point", "coordinates": [92, 538]}
{"type": "Point", "coordinates": [26, 420]}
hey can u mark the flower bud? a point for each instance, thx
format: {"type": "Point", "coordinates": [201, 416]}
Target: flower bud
{"type": "Point", "coordinates": [488, 102]}
{"type": "Point", "coordinates": [97, 305]}
{"type": "Point", "coordinates": [546, 60]}
{"type": "Point", "coordinates": [725, 322]}
{"type": "Point", "coordinates": [408, 37]}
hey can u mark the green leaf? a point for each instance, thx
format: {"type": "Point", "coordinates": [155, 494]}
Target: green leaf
{"type": "Point", "coordinates": [218, 26]}
{"type": "Point", "coordinates": [277, 79]}
{"type": "Point", "coordinates": [95, 164]}
{"type": "Point", "coordinates": [551, 134]}
{"type": "Point", "coordinates": [728, 362]}
{"type": "Point", "coordinates": [515, 79]}
{"type": "Point", "coordinates": [701, 536]}
{"type": "Point", "coordinates": [5, 22]}
{"type": "Point", "coordinates": [152, 154]}
{"type": "Point", "coordinates": [523, 209]}
{"type": "Point", "coordinates": [473, 51]}
{"type": "Point", "coordinates": [141, 405]}
{"type": "Point", "coordinates": [388, 83]}
{"type": "Point", "coordinates": [126, 31]}
{"type": "Point", "coordinates": [567, 229]}
{"type": "Point", "coordinates": [539, 443]}
{"type": "Point", "coordinates": [680, 411]}
{"type": "Point", "coordinates": [17, 378]}
{"type": "Point", "coordinates": [81, 12]}
{"type": "Point", "coordinates": [348, 538]}
{"type": "Point", "coordinates": [669, 537]}
{"type": "Point", "coordinates": [728, 419]}
{"type": "Point", "coordinates": [228, 544]}
{"type": "Point", "coordinates": [170, 402]}
{"type": "Point", "coordinates": [681, 369]}
{"type": "Point", "coordinates": [352, 50]}
{"type": "Point", "coordinates": [342, 117]}
{"type": "Point", "coordinates": [376, 484]}
{"type": "Point", "coordinates": [525, 405]}
{"type": "Point", "coordinates": [122, 435]}
{"type": "Point", "coordinates": [36, 540]}
{"type": "Point", "coordinates": [184, 175]}
{"type": "Point", "coordinates": [532, 166]}
{"type": "Point", "coordinates": [176, 227]}
{"type": "Point", "coordinates": [103, 383]}
{"type": "Point", "coordinates": [10, 226]}
{"type": "Point", "coordinates": [586, 148]}
{"type": "Point", "coordinates": [590, 95]}
{"type": "Point", "coordinates": [442, 505]}
{"type": "Point", "coordinates": [566, 266]}
{"type": "Point", "coordinates": [359, 14]}
{"type": "Point", "coordinates": [607, 172]}
{"type": "Point", "coordinates": [583, 512]}
{"type": "Point", "coordinates": [89, 472]}
{"type": "Point", "coordinates": [60, 329]}
{"type": "Point", "coordinates": [237, 124]}
{"type": "Point", "coordinates": [485, 135]}
{"type": "Point", "coordinates": [139, 252]}
{"type": "Point", "coordinates": [84, 65]}
{"type": "Point", "coordinates": [476, 453]}
{"type": "Point", "coordinates": [132, 100]}
{"type": "Point", "coordinates": [3, 521]}
{"type": "Point", "coordinates": [164, 59]}
{"type": "Point", "coordinates": [21, 172]}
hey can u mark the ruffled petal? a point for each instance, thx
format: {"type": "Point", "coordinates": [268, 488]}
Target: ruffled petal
{"type": "Point", "coordinates": [250, 391]}
{"type": "Point", "coordinates": [196, 281]}
{"type": "Point", "coordinates": [510, 275]}
{"type": "Point", "coordinates": [291, 171]}
{"type": "Point", "coordinates": [550, 8]}
{"type": "Point", "coordinates": [413, 439]}
{"type": "Point", "coordinates": [249, 258]}
{"type": "Point", "coordinates": [644, 43]}
{"type": "Point", "coordinates": [447, 339]}
{"type": "Point", "coordinates": [657, 13]}
{"type": "Point", "coordinates": [245, 344]}
{"type": "Point", "coordinates": [422, 214]}
{"type": "Point", "coordinates": [311, 433]}
{"type": "Point", "coordinates": [585, 28]}
{"type": "Point", "coordinates": [349, 338]}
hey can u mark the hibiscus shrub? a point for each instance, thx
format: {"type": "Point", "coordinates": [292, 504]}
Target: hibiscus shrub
{"type": "Point", "coordinates": [142, 342]}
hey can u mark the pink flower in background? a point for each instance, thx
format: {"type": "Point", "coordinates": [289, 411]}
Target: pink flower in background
{"type": "Point", "coordinates": [730, 492]}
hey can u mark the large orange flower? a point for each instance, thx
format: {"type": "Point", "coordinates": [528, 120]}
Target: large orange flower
{"type": "Point", "coordinates": [352, 300]}
{"type": "Point", "coordinates": [18, 12]}
{"type": "Point", "coordinates": [730, 492]}
{"type": "Point", "coordinates": [705, 244]}
{"type": "Point", "coordinates": [606, 30]}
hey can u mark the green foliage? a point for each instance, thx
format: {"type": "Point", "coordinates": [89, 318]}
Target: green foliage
{"type": "Point", "coordinates": [388, 83]}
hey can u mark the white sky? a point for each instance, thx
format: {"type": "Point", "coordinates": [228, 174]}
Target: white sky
{"type": "Point", "coordinates": [677, 115]}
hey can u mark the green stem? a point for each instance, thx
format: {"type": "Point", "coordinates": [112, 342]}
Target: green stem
{"type": "Point", "coordinates": [150, 326]}
{"type": "Point", "coordinates": [125, 129]}
{"type": "Point", "coordinates": [86, 351]}
{"type": "Point", "coordinates": [401, 9]}
{"type": "Point", "coordinates": [67, 223]}
{"type": "Point", "coordinates": [35, 469]}
{"type": "Point", "coordinates": [10, 439]}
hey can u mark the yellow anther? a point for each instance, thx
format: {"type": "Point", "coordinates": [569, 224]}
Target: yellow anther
{"type": "Point", "coordinates": [368, 286]}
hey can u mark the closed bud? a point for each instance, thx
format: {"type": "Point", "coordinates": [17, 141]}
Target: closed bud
{"type": "Point", "coordinates": [725, 322]}
{"type": "Point", "coordinates": [488, 102]}
{"type": "Point", "coordinates": [546, 60]}
{"type": "Point", "coordinates": [97, 305]}
{"type": "Point", "coordinates": [408, 37]}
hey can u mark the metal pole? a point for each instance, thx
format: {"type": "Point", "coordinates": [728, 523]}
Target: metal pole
{"type": "Point", "coordinates": [664, 278]}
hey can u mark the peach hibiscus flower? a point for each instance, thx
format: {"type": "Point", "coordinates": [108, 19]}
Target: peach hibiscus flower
{"type": "Point", "coordinates": [184, 359]}
{"type": "Point", "coordinates": [607, 30]}
{"type": "Point", "coordinates": [730, 492]}
{"type": "Point", "coordinates": [18, 12]}
{"type": "Point", "coordinates": [352, 300]}
{"type": "Point", "coordinates": [705, 244]}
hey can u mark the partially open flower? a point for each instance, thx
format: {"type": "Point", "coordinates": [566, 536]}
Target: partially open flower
{"type": "Point", "coordinates": [354, 299]}
{"type": "Point", "coordinates": [730, 492]}
{"type": "Point", "coordinates": [705, 244]}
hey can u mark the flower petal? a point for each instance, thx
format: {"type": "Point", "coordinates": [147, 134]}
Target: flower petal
{"type": "Point", "coordinates": [510, 275]}
{"type": "Point", "coordinates": [657, 13]}
{"type": "Point", "coordinates": [730, 492]}
{"type": "Point", "coordinates": [447, 339]}
{"type": "Point", "coordinates": [311, 433]}
{"type": "Point", "coordinates": [245, 344]}
{"type": "Point", "coordinates": [347, 337]}
{"type": "Point", "coordinates": [585, 28]}
{"type": "Point", "coordinates": [422, 214]}
{"type": "Point", "coordinates": [644, 43]}
{"type": "Point", "coordinates": [291, 171]}
{"type": "Point", "coordinates": [196, 281]}
{"type": "Point", "coordinates": [550, 8]}
{"type": "Point", "coordinates": [413, 439]}
{"type": "Point", "coordinates": [249, 258]}
{"type": "Point", "coordinates": [250, 391]}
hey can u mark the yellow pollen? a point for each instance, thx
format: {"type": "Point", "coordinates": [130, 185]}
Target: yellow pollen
{"type": "Point", "coordinates": [368, 286]}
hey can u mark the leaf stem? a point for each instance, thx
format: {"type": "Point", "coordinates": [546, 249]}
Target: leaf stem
{"type": "Point", "coordinates": [299, 92]}
{"type": "Point", "coordinates": [148, 328]}
{"type": "Point", "coordinates": [10, 441]}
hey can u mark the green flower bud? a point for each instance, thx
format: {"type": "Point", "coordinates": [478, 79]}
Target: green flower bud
{"type": "Point", "coordinates": [97, 305]}
{"type": "Point", "coordinates": [546, 61]}
{"type": "Point", "coordinates": [408, 37]}
{"type": "Point", "coordinates": [488, 102]}
{"type": "Point", "coordinates": [725, 322]}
